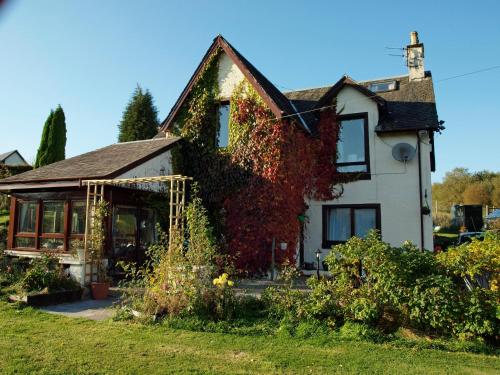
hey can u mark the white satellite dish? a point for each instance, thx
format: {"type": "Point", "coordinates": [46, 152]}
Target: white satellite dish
{"type": "Point", "coordinates": [403, 152]}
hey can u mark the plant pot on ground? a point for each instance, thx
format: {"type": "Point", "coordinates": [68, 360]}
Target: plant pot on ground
{"type": "Point", "coordinates": [99, 290]}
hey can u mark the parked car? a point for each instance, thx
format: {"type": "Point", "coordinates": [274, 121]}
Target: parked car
{"type": "Point", "coordinates": [466, 237]}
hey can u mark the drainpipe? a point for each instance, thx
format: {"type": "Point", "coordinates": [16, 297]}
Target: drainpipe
{"type": "Point", "coordinates": [420, 193]}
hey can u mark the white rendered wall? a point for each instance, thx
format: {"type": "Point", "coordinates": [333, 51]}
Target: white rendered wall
{"type": "Point", "coordinates": [392, 185]}
{"type": "Point", "coordinates": [228, 77]}
{"type": "Point", "coordinates": [151, 168]}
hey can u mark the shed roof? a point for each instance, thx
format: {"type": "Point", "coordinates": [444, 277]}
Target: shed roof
{"type": "Point", "coordinates": [106, 162]}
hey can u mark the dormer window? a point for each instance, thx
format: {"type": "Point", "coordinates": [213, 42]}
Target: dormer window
{"type": "Point", "coordinates": [223, 136]}
{"type": "Point", "coordinates": [352, 147]}
{"type": "Point", "coordinates": [383, 86]}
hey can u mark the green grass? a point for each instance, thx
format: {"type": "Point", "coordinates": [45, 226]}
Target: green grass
{"type": "Point", "coordinates": [35, 342]}
{"type": "Point", "coordinates": [4, 217]}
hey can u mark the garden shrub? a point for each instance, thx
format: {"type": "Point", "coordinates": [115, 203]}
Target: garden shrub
{"type": "Point", "coordinates": [481, 315]}
{"type": "Point", "coordinates": [45, 274]}
{"type": "Point", "coordinates": [477, 262]}
{"type": "Point", "coordinates": [3, 237]}
{"type": "Point", "coordinates": [376, 284]}
{"type": "Point", "coordinates": [11, 270]}
{"type": "Point", "coordinates": [179, 277]}
{"type": "Point", "coordinates": [284, 302]}
{"type": "Point", "coordinates": [434, 303]}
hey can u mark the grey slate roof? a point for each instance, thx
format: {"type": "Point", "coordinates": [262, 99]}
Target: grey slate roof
{"type": "Point", "coordinates": [5, 155]}
{"type": "Point", "coordinates": [410, 107]}
{"type": "Point", "coordinates": [106, 162]}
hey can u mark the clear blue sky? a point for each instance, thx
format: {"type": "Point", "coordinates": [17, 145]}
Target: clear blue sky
{"type": "Point", "coordinates": [89, 55]}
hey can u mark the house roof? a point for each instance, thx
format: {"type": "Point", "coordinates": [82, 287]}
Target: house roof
{"type": "Point", "coordinates": [5, 156]}
{"type": "Point", "coordinates": [274, 98]}
{"type": "Point", "coordinates": [106, 162]}
{"type": "Point", "coordinates": [411, 106]}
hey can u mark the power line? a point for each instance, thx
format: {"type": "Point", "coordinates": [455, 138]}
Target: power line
{"type": "Point", "coordinates": [470, 73]}
{"type": "Point", "coordinates": [372, 96]}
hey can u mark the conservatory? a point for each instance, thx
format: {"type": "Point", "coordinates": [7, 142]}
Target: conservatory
{"type": "Point", "coordinates": [51, 207]}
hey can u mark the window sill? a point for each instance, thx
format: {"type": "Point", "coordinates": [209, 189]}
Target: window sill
{"type": "Point", "coordinates": [357, 176]}
{"type": "Point", "coordinates": [328, 245]}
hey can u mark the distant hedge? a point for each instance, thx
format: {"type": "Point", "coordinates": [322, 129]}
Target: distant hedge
{"type": "Point", "coordinates": [18, 169]}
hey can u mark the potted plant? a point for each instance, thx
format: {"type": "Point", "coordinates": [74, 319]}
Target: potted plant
{"type": "Point", "coordinates": [77, 250]}
{"type": "Point", "coordinates": [95, 242]}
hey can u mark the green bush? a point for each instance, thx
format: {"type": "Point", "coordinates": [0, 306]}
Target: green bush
{"type": "Point", "coordinates": [379, 285]}
{"type": "Point", "coordinates": [434, 303]}
{"type": "Point", "coordinates": [11, 270]}
{"type": "Point", "coordinates": [481, 314]}
{"type": "Point", "coordinates": [44, 273]}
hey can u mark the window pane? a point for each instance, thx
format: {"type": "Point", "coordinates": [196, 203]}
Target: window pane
{"type": "Point", "coordinates": [53, 244]}
{"type": "Point", "coordinates": [339, 224]}
{"type": "Point", "coordinates": [352, 168]}
{"type": "Point", "coordinates": [53, 217]}
{"type": "Point", "coordinates": [223, 140]}
{"type": "Point", "coordinates": [351, 145]}
{"type": "Point", "coordinates": [147, 228]}
{"type": "Point", "coordinates": [124, 231]}
{"type": "Point", "coordinates": [78, 217]}
{"type": "Point", "coordinates": [25, 242]}
{"type": "Point", "coordinates": [364, 220]}
{"type": "Point", "coordinates": [27, 217]}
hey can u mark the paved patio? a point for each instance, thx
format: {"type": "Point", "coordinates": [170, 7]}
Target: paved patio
{"type": "Point", "coordinates": [88, 309]}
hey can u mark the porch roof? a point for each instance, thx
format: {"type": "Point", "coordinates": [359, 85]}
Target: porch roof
{"type": "Point", "coordinates": [104, 163]}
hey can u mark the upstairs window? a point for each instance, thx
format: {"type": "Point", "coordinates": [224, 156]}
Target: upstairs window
{"type": "Point", "coordinates": [223, 138]}
{"type": "Point", "coordinates": [352, 147]}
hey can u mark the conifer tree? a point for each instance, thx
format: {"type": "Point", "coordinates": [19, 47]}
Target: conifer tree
{"type": "Point", "coordinates": [140, 118]}
{"type": "Point", "coordinates": [42, 150]}
{"type": "Point", "coordinates": [53, 143]}
{"type": "Point", "coordinates": [57, 137]}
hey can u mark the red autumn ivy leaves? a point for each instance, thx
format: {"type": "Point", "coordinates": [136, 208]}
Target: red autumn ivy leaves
{"type": "Point", "coordinates": [287, 165]}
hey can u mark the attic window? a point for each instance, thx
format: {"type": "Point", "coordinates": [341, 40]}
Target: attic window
{"type": "Point", "coordinates": [382, 86]}
{"type": "Point", "coordinates": [223, 136]}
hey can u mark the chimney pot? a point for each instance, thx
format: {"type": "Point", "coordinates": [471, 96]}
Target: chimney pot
{"type": "Point", "coordinates": [413, 38]}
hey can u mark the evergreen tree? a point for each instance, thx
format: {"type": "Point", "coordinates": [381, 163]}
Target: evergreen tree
{"type": "Point", "coordinates": [57, 137]}
{"type": "Point", "coordinates": [42, 150]}
{"type": "Point", "coordinates": [53, 143]}
{"type": "Point", "coordinates": [140, 118]}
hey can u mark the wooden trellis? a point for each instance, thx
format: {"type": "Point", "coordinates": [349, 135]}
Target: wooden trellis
{"type": "Point", "coordinates": [176, 185]}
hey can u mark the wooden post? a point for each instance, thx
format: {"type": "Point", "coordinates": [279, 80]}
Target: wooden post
{"type": "Point", "coordinates": [12, 223]}
{"type": "Point", "coordinates": [272, 258]}
{"type": "Point", "coordinates": [67, 224]}
{"type": "Point", "coordinates": [171, 212]}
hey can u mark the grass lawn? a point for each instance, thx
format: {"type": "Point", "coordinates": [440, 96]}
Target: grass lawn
{"type": "Point", "coordinates": [4, 217]}
{"type": "Point", "coordinates": [35, 342]}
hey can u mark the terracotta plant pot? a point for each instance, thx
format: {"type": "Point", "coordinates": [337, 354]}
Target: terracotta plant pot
{"type": "Point", "coordinates": [99, 290]}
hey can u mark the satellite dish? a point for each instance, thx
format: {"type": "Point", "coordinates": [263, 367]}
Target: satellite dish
{"type": "Point", "coordinates": [403, 152]}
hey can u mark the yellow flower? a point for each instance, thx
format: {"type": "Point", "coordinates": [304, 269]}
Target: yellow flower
{"type": "Point", "coordinates": [216, 281]}
{"type": "Point", "coordinates": [230, 283]}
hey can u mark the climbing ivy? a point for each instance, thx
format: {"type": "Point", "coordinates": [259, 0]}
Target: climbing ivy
{"type": "Point", "coordinates": [255, 189]}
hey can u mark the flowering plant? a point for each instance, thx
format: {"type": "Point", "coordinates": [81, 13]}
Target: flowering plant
{"type": "Point", "coordinates": [222, 281]}
{"type": "Point", "coordinates": [224, 296]}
